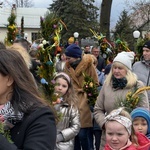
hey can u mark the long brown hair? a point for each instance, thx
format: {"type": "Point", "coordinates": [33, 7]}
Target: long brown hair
{"type": "Point", "coordinates": [25, 95]}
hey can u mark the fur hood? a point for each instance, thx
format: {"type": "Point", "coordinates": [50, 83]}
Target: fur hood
{"type": "Point", "coordinates": [87, 60]}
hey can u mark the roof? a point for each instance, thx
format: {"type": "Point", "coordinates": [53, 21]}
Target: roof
{"type": "Point", "coordinates": [31, 16]}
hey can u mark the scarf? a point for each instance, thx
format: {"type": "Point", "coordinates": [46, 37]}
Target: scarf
{"type": "Point", "coordinates": [119, 83]}
{"type": "Point", "coordinates": [8, 116]}
{"type": "Point", "coordinates": [75, 64]}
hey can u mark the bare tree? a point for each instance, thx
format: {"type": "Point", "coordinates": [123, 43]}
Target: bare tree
{"type": "Point", "coordinates": [23, 3]}
{"type": "Point", "coordinates": [18, 3]}
{"type": "Point", "coordinates": [140, 11]}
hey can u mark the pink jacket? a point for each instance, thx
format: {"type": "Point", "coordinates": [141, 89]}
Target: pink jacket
{"type": "Point", "coordinates": [131, 147]}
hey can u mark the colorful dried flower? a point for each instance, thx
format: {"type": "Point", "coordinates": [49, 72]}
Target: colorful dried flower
{"type": "Point", "coordinates": [90, 88]}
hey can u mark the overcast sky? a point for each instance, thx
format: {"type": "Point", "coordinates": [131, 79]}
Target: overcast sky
{"type": "Point", "coordinates": [117, 8]}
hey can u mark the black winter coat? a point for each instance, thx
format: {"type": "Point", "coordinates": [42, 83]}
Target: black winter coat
{"type": "Point", "coordinates": [37, 131]}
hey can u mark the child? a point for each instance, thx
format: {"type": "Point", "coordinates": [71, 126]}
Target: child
{"type": "Point", "coordinates": [118, 130]}
{"type": "Point", "coordinates": [69, 124]}
{"type": "Point", "coordinates": [141, 125]}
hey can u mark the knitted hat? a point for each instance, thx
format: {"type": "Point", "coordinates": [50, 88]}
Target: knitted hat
{"type": "Point", "coordinates": [142, 112]}
{"type": "Point", "coordinates": [73, 50]}
{"type": "Point", "coordinates": [147, 44]}
{"type": "Point", "coordinates": [126, 58]}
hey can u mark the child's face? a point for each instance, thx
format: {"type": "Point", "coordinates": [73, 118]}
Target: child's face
{"type": "Point", "coordinates": [140, 125]}
{"type": "Point", "coordinates": [63, 57]}
{"type": "Point", "coordinates": [61, 86]}
{"type": "Point", "coordinates": [116, 135]}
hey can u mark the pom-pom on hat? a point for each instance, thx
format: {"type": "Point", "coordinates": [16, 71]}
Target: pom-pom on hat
{"type": "Point", "coordinates": [74, 51]}
{"type": "Point", "coordinates": [126, 58]}
{"type": "Point", "coordinates": [147, 45]}
{"type": "Point", "coordinates": [142, 112]}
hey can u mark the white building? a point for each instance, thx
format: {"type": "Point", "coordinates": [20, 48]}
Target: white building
{"type": "Point", "coordinates": [31, 21]}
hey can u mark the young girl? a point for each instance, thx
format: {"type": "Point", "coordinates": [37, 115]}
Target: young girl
{"type": "Point", "coordinates": [69, 124]}
{"type": "Point", "coordinates": [118, 130]}
{"type": "Point", "coordinates": [141, 125]}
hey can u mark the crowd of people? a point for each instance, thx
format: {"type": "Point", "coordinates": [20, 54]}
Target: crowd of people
{"type": "Point", "coordinates": [28, 121]}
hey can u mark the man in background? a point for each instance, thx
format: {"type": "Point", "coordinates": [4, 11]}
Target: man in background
{"type": "Point", "coordinates": [101, 61]}
{"type": "Point", "coordinates": [87, 49]}
{"type": "Point", "coordinates": [142, 67]}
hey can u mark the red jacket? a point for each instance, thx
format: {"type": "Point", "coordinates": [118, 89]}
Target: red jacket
{"type": "Point", "coordinates": [144, 142]}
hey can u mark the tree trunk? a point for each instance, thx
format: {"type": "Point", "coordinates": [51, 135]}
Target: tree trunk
{"type": "Point", "coordinates": [105, 18]}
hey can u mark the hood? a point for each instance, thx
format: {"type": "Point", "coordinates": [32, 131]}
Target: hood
{"type": "Point", "coordinates": [86, 61]}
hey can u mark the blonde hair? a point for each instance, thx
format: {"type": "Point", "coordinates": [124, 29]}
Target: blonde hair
{"type": "Point", "coordinates": [122, 116]}
{"type": "Point", "coordinates": [23, 52]}
{"type": "Point", "coordinates": [130, 76]}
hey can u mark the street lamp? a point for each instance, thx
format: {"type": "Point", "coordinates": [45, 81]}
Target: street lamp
{"type": "Point", "coordinates": [76, 35]}
{"type": "Point", "coordinates": [136, 35]}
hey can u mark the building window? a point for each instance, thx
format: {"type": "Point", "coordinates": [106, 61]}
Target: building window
{"type": "Point", "coordinates": [34, 36]}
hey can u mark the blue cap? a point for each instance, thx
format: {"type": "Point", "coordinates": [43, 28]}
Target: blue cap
{"type": "Point", "coordinates": [142, 112]}
{"type": "Point", "coordinates": [74, 51]}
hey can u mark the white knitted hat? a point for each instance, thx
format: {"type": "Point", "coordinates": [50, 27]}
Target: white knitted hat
{"type": "Point", "coordinates": [126, 58]}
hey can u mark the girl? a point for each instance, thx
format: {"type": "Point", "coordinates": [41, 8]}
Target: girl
{"type": "Point", "coordinates": [118, 130]}
{"type": "Point", "coordinates": [69, 125]}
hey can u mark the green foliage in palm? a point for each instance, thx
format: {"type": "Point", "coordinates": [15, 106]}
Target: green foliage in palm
{"type": "Point", "coordinates": [11, 27]}
{"type": "Point", "coordinates": [5, 133]}
{"type": "Point", "coordinates": [47, 51]}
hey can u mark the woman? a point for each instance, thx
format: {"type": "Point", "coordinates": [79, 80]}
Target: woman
{"type": "Point", "coordinates": [27, 119]}
{"type": "Point", "coordinates": [66, 105]}
{"type": "Point", "coordinates": [77, 66]}
{"type": "Point", "coordinates": [119, 81]}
